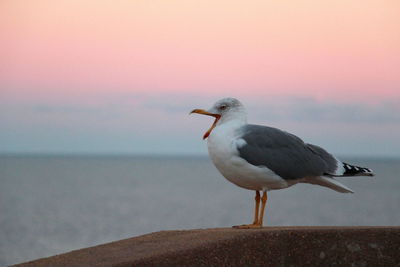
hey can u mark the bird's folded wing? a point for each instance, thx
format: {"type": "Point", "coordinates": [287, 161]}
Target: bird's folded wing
{"type": "Point", "coordinates": [283, 153]}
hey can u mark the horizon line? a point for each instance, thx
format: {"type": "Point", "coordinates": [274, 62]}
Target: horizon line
{"type": "Point", "coordinates": [157, 155]}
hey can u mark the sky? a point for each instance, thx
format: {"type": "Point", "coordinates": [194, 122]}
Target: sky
{"type": "Point", "coordinates": [98, 77]}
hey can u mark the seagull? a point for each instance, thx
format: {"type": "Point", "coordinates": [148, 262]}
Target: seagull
{"type": "Point", "coordinates": [263, 158]}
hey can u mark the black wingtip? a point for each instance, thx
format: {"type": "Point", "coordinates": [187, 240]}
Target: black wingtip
{"type": "Point", "coordinates": [351, 170]}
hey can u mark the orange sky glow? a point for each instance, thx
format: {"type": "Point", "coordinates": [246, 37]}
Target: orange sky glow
{"type": "Point", "coordinates": [319, 48]}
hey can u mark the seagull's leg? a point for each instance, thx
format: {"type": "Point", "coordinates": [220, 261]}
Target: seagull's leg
{"type": "Point", "coordinates": [263, 203]}
{"type": "Point", "coordinates": [256, 222]}
{"type": "Point", "coordinates": [257, 199]}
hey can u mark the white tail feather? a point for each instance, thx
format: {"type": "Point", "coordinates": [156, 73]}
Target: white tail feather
{"type": "Point", "coordinates": [330, 183]}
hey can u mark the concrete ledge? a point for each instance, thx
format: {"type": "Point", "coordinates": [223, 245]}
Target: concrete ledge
{"type": "Point", "coordinates": [270, 246]}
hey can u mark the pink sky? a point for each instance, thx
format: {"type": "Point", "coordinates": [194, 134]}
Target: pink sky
{"type": "Point", "coordinates": [91, 54]}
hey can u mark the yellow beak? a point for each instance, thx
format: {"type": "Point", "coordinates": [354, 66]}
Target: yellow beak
{"type": "Point", "coordinates": [203, 112]}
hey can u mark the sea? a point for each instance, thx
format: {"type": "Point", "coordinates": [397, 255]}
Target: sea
{"type": "Point", "coordinates": [57, 203]}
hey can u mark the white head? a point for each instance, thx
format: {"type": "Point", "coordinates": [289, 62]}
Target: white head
{"type": "Point", "coordinates": [224, 110]}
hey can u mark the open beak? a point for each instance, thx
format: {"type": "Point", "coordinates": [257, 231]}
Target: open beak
{"type": "Point", "coordinates": [203, 112]}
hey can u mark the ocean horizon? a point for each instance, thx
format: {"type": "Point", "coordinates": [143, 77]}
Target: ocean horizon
{"type": "Point", "coordinates": [55, 203]}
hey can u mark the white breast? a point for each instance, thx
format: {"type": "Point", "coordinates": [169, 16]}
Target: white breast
{"type": "Point", "coordinates": [222, 148]}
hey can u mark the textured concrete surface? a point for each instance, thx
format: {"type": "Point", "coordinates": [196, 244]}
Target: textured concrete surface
{"type": "Point", "coordinates": [270, 246]}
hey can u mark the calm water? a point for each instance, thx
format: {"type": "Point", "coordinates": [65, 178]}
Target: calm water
{"type": "Point", "coordinates": [50, 205]}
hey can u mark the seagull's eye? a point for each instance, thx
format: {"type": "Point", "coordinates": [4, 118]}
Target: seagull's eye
{"type": "Point", "coordinates": [223, 107]}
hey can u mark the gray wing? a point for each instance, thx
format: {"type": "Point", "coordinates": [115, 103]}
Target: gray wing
{"type": "Point", "coordinates": [284, 153]}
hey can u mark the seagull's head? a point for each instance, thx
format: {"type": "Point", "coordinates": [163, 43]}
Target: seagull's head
{"type": "Point", "coordinates": [223, 110]}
